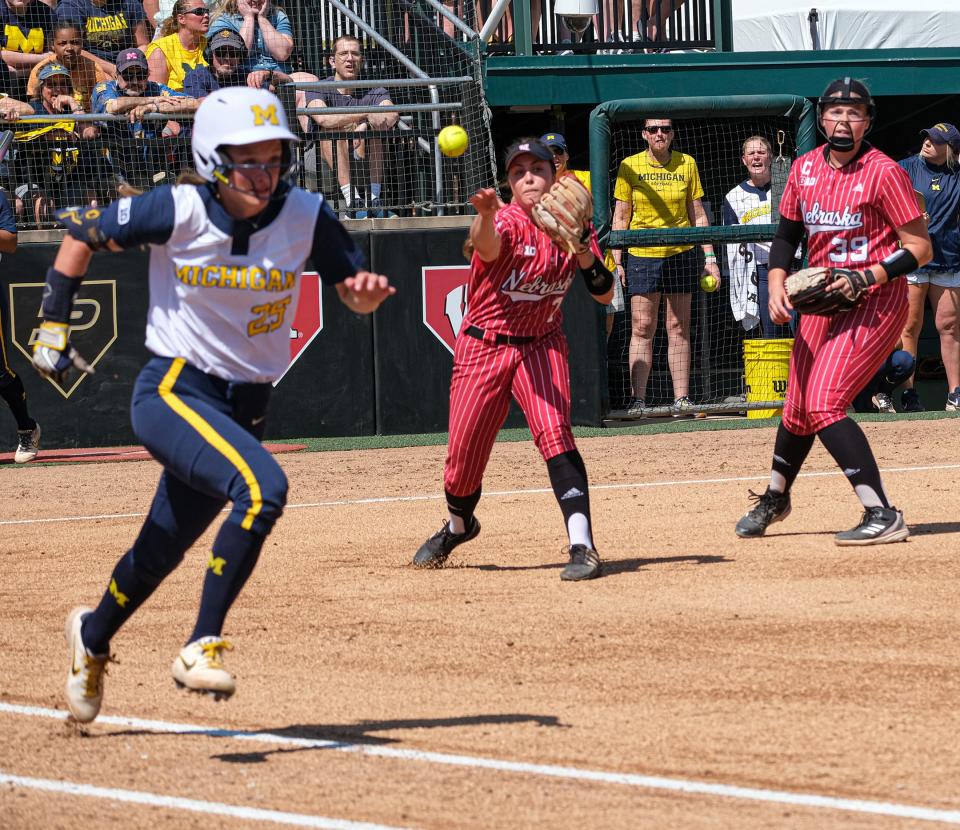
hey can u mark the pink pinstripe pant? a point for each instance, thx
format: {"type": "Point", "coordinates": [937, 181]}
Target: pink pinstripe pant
{"type": "Point", "coordinates": [834, 357]}
{"type": "Point", "coordinates": [485, 376]}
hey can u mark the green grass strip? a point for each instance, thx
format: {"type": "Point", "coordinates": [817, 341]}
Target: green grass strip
{"type": "Point", "coordinates": [664, 425]}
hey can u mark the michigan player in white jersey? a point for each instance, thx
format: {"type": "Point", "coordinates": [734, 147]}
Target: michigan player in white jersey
{"type": "Point", "coordinates": [225, 260]}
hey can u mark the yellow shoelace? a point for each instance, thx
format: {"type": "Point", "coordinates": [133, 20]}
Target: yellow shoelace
{"type": "Point", "coordinates": [96, 669]}
{"type": "Point", "coordinates": [212, 652]}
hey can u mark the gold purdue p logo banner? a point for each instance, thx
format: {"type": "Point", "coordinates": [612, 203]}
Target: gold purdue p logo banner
{"type": "Point", "coordinates": [93, 323]}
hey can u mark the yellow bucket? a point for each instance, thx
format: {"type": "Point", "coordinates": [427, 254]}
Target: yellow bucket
{"type": "Point", "coordinates": [766, 364]}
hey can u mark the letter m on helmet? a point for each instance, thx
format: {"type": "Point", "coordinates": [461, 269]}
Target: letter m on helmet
{"type": "Point", "coordinates": [265, 115]}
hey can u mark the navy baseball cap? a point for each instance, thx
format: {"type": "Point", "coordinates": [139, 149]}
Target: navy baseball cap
{"type": "Point", "coordinates": [943, 133]}
{"type": "Point", "coordinates": [52, 69]}
{"type": "Point", "coordinates": [533, 146]}
{"type": "Point", "coordinates": [227, 37]}
{"type": "Point", "coordinates": [554, 140]}
{"type": "Point", "coordinates": [131, 57]}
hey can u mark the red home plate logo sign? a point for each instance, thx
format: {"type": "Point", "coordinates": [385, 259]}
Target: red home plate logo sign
{"type": "Point", "coordinates": [445, 301]}
{"type": "Point", "coordinates": [308, 319]}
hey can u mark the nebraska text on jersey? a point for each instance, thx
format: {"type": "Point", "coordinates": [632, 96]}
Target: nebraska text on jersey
{"type": "Point", "coordinates": [538, 288]}
{"type": "Point", "coordinates": [818, 220]}
{"type": "Point", "coordinates": [851, 214]}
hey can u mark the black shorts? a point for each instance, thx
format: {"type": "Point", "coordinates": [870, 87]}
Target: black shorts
{"type": "Point", "coordinates": [677, 274]}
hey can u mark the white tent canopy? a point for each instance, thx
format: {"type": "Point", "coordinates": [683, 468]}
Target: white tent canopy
{"type": "Point", "coordinates": [762, 26]}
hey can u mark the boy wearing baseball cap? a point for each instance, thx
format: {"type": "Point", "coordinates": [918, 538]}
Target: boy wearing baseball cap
{"type": "Point", "coordinates": [133, 93]}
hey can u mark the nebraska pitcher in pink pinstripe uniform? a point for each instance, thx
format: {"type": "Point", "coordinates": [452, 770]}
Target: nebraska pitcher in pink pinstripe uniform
{"type": "Point", "coordinates": [859, 211]}
{"type": "Point", "coordinates": [511, 344]}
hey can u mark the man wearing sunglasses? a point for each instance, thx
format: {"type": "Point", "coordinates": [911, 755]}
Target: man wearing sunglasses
{"type": "Point", "coordinates": [139, 146]}
{"type": "Point", "coordinates": [660, 188]}
{"type": "Point", "coordinates": [228, 56]}
{"type": "Point", "coordinates": [109, 25]}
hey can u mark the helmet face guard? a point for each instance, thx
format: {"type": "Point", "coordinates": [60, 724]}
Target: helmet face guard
{"type": "Point", "coordinates": [845, 91]}
{"type": "Point", "coordinates": [223, 167]}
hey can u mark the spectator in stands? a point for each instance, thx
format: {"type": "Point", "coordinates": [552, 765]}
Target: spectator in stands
{"type": "Point", "coordinates": [86, 71]}
{"type": "Point", "coordinates": [561, 159]}
{"type": "Point", "coordinates": [265, 30]}
{"type": "Point", "coordinates": [347, 62]}
{"type": "Point", "coordinates": [935, 176]}
{"type": "Point", "coordinates": [877, 395]}
{"type": "Point", "coordinates": [651, 26]}
{"type": "Point", "coordinates": [504, 31]}
{"type": "Point", "coordinates": [132, 93]}
{"type": "Point", "coordinates": [749, 204]}
{"type": "Point", "coordinates": [52, 166]}
{"type": "Point", "coordinates": [27, 25]}
{"type": "Point", "coordinates": [460, 8]}
{"type": "Point", "coordinates": [660, 188]}
{"type": "Point", "coordinates": [268, 38]}
{"type": "Point", "coordinates": [110, 25]}
{"type": "Point", "coordinates": [181, 44]}
{"type": "Point", "coordinates": [228, 55]}
{"type": "Point", "coordinates": [611, 19]}
{"type": "Point", "coordinates": [157, 11]}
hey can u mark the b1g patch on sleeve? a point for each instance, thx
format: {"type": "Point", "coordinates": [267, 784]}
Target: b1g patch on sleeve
{"type": "Point", "coordinates": [123, 210]}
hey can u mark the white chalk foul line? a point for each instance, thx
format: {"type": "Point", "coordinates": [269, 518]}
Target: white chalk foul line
{"type": "Point", "coordinates": [649, 782]}
{"type": "Point", "coordinates": [637, 485]}
{"type": "Point", "coordinates": [193, 805]}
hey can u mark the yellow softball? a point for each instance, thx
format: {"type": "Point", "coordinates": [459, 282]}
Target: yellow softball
{"type": "Point", "coordinates": [708, 282]}
{"type": "Point", "coordinates": [453, 141]}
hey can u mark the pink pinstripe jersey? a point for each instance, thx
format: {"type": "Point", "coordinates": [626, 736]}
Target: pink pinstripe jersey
{"type": "Point", "coordinates": [520, 292]}
{"type": "Point", "coordinates": [851, 215]}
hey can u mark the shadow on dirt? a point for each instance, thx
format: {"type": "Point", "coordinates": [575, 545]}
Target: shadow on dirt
{"type": "Point", "coordinates": [350, 736]}
{"type": "Point", "coordinates": [612, 566]}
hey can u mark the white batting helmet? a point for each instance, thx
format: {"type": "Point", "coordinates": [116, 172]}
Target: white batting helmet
{"type": "Point", "coordinates": [235, 116]}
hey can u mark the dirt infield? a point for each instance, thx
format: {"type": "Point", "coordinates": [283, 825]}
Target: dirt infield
{"type": "Point", "coordinates": [110, 454]}
{"type": "Point", "coordinates": [703, 682]}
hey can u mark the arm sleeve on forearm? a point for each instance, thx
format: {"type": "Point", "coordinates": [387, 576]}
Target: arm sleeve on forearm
{"type": "Point", "coordinates": [784, 245]}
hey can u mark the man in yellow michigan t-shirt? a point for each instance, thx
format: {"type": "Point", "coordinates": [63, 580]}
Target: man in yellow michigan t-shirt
{"type": "Point", "coordinates": [660, 188]}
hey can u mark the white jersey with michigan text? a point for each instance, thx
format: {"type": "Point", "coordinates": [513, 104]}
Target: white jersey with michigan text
{"type": "Point", "coordinates": [228, 314]}
{"type": "Point", "coordinates": [223, 291]}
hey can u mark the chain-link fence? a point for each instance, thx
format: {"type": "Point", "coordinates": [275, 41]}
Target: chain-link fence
{"type": "Point", "coordinates": [368, 128]}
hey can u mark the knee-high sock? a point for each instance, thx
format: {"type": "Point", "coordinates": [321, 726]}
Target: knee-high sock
{"type": "Point", "coordinates": [789, 453]}
{"type": "Point", "coordinates": [139, 571]}
{"type": "Point", "coordinates": [568, 476]}
{"type": "Point", "coordinates": [16, 397]}
{"type": "Point", "coordinates": [232, 560]}
{"type": "Point", "coordinates": [849, 447]}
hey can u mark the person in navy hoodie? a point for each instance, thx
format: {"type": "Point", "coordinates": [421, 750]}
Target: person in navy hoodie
{"type": "Point", "coordinates": [935, 176]}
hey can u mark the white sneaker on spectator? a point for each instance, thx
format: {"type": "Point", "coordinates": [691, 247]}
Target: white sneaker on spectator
{"type": "Point", "coordinates": [884, 403]}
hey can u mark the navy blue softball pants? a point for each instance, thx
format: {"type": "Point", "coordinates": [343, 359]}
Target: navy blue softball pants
{"type": "Point", "coordinates": [206, 432]}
